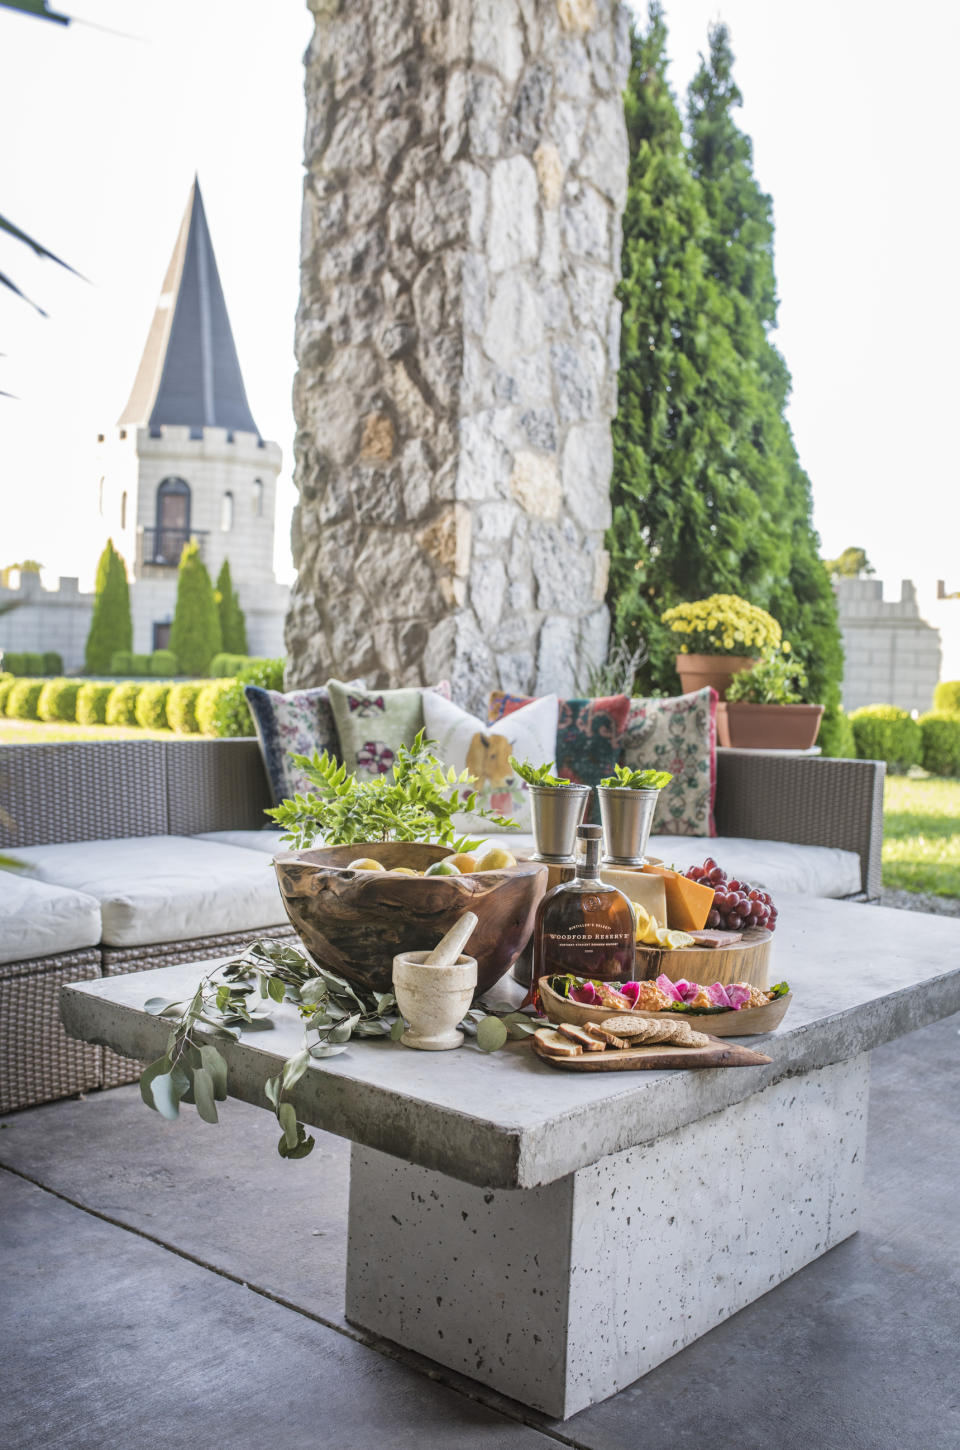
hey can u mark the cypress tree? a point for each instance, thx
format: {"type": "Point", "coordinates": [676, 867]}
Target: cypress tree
{"type": "Point", "coordinates": [689, 518]}
{"type": "Point", "coordinates": [195, 632]}
{"type": "Point", "coordinates": [233, 625]}
{"type": "Point", "coordinates": [739, 250]}
{"type": "Point", "coordinates": [111, 627]}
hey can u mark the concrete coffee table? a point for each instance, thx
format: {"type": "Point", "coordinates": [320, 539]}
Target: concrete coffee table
{"type": "Point", "coordinates": [557, 1235]}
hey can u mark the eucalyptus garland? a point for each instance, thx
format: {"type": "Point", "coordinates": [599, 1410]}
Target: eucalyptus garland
{"type": "Point", "coordinates": [237, 996]}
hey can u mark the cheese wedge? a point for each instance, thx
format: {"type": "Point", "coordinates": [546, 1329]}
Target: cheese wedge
{"type": "Point", "coordinates": [688, 902]}
{"type": "Point", "coordinates": [639, 887]}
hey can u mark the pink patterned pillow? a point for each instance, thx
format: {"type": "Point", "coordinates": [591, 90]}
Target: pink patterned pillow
{"type": "Point", "coordinates": [680, 735]}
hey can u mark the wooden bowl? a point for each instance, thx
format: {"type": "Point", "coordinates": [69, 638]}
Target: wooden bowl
{"type": "Point", "coordinates": [356, 922]}
{"type": "Point", "coordinates": [745, 1023]}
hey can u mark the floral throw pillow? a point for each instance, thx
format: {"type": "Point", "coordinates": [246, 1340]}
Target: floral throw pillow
{"type": "Point", "coordinates": [588, 736]}
{"type": "Point", "coordinates": [373, 724]}
{"type": "Point", "coordinates": [680, 735]}
{"type": "Point", "coordinates": [297, 723]}
{"type": "Point", "coordinates": [467, 743]}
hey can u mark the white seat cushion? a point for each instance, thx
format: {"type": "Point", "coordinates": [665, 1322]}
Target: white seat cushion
{"type": "Point", "coordinates": [165, 888]}
{"type": "Point", "coordinates": [267, 840]}
{"type": "Point", "coordinates": [37, 920]}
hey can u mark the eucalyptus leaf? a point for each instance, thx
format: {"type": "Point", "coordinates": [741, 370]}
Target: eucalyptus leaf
{"type": "Point", "coordinates": [294, 1068]}
{"type": "Point", "coordinates": [165, 1096]}
{"type": "Point", "coordinates": [181, 1079]}
{"type": "Point", "coordinates": [491, 1034]}
{"type": "Point", "coordinates": [287, 1115]}
{"type": "Point", "coordinates": [328, 1049]}
{"type": "Point", "coordinates": [276, 989]}
{"type": "Point", "coordinates": [304, 1145]}
{"type": "Point", "coordinates": [397, 1030]}
{"type": "Point", "coordinates": [152, 1071]}
{"type": "Point", "coordinates": [215, 1065]}
{"type": "Point", "coordinates": [203, 1092]}
{"type": "Point", "coordinates": [314, 991]}
{"type": "Point", "coordinates": [344, 1032]}
{"type": "Point", "coordinates": [157, 1005]}
{"type": "Point", "coordinates": [271, 1090]}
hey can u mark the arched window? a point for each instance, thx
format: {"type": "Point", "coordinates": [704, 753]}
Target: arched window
{"type": "Point", "coordinates": [173, 521]}
{"type": "Point", "coordinates": [123, 509]}
{"type": "Point", "coordinates": [258, 498]}
{"type": "Point", "coordinates": [226, 512]}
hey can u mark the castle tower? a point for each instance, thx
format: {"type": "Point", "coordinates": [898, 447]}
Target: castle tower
{"type": "Point", "coordinates": [186, 460]}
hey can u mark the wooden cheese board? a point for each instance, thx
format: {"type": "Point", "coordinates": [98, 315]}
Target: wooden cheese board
{"type": "Point", "coordinates": [747, 960]}
{"type": "Point", "coordinates": [745, 1023]}
{"type": "Point", "coordinates": [657, 1055]}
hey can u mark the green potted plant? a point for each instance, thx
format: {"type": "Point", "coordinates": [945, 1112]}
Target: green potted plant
{"type": "Point", "coordinates": [764, 708]}
{"type": "Point", "coordinates": [717, 638]}
{"type": "Point", "coordinates": [628, 802]}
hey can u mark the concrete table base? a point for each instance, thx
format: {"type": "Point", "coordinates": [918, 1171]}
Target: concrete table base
{"type": "Point", "coordinates": [561, 1295]}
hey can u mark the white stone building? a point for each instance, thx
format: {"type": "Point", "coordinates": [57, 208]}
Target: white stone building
{"type": "Point", "coordinates": [892, 655]}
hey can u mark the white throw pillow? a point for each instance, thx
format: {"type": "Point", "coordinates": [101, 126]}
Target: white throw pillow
{"type": "Point", "coordinates": [468, 743]}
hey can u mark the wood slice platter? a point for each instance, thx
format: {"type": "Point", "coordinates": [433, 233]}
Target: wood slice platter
{"type": "Point", "coordinates": [638, 1059]}
{"type": "Point", "coordinates": [745, 1023]}
{"type": "Point", "coordinates": [748, 960]}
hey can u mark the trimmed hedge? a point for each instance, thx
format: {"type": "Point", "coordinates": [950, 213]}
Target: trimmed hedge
{"type": "Point", "coordinates": [835, 736]}
{"type": "Point", "coordinates": [884, 732]}
{"type": "Point", "coordinates": [124, 662]}
{"type": "Point", "coordinates": [182, 708]}
{"type": "Point", "coordinates": [151, 707]}
{"type": "Point", "coordinates": [58, 700]}
{"type": "Point", "coordinates": [945, 697]}
{"type": "Point", "coordinates": [92, 703]}
{"type": "Point", "coordinates": [227, 666]}
{"type": "Point", "coordinates": [232, 714]}
{"type": "Point", "coordinates": [27, 664]}
{"type": "Point", "coordinates": [122, 704]}
{"type": "Point", "coordinates": [23, 701]}
{"type": "Point", "coordinates": [940, 735]}
{"type": "Point", "coordinates": [163, 662]}
{"type": "Point", "coordinates": [52, 663]}
{"type": "Point", "coordinates": [208, 703]}
{"type": "Point", "coordinates": [6, 685]}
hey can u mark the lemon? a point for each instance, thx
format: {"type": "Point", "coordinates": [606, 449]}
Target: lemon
{"type": "Point", "coordinates": [365, 863]}
{"type": "Point", "coordinates": [651, 935]}
{"type": "Point", "coordinates": [643, 920]}
{"type": "Point", "coordinates": [464, 862]}
{"type": "Point", "coordinates": [442, 868]}
{"type": "Point", "coordinates": [673, 941]}
{"type": "Point", "coordinates": [403, 871]}
{"type": "Point", "coordinates": [495, 858]}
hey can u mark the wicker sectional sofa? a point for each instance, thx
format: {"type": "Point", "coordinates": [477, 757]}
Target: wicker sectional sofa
{"type": "Point", "coordinates": [140, 853]}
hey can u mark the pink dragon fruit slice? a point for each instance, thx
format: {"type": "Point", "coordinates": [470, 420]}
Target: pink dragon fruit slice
{"type": "Point", "coordinates": [717, 993]}
{"type": "Point", "coordinates": [631, 990]}
{"type": "Point", "coordinates": [586, 993]}
{"type": "Point", "coordinates": [739, 995]}
{"type": "Point", "coordinates": [665, 985]}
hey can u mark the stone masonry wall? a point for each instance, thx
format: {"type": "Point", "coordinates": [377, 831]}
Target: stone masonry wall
{"type": "Point", "coordinates": [457, 341]}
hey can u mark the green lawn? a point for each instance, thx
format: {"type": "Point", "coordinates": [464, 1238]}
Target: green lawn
{"type": "Point", "coordinates": [921, 837]}
{"type": "Point", "coordinates": [22, 732]}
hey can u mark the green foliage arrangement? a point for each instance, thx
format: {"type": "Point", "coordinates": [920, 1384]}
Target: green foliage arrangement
{"type": "Point", "coordinates": [151, 706]}
{"type": "Point", "coordinates": [940, 742]}
{"type": "Point", "coordinates": [195, 632]}
{"type": "Point", "coordinates": [163, 663]}
{"type": "Point", "coordinates": [52, 663]}
{"type": "Point", "coordinates": [233, 625]}
{"type": "Point", "coordinates": [122, 704]}
{"type": "Point", "coordinates": [945, 697]}
{"type": "Point", "coordinates": [58, 700]}
{"type": "Point", "coordinates": [851, 564]}
{"type": "Point", "coordinates": [619, 674]}
{"type": "Point", "coordinates": [723, 624]}
{"type": "Point", "coordinates": [708, 496]}
{"type": "Point", "coordinates": [537, 774]}
{"type": "Point", "coordinates": [182, 707]}
{"type": "Point", "coordinates": [92, 703]}
{"type": "Point", "coordinates": [231, 716]}
{"type": "Point", "coordinates": [884, 732]}
{"type": "Point", "coordinates": [775, 680]}
{"type": "Point", "coordinates": [416, 801]}
{"type": "Point", "coordinates": [111, 627]}
{"type": "Point", "coordinates": [23, 701]}
{"type": "Point", "coordinates": [835, 736]}
{"type": "Point", "coordinates": [194, 1071]}
{"type": "Point", "coordinates": [624, 778]}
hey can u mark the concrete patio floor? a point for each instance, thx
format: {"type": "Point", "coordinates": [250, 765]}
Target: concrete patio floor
{"type": "Point", "coordinates": [172, 1283]}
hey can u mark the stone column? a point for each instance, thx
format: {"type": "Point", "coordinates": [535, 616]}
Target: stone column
{"type": "Point", "coordinates": [457, 341]}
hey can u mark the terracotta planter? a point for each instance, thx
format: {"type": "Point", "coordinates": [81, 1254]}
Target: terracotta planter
{"type": "Point", "coordinates": [698, 671]}
{"type": "Point", "coordinates": [768, 727]}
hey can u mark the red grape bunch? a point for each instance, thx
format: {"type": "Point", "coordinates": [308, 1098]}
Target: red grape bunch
{"type": "Point", "coordinates": [737, 906]}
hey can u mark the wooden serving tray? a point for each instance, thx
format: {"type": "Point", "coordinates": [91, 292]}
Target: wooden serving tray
{"type": "Point", "coordinates": [748, 960]}
{"type": "Point", "coordinates": [745, 1023]}
{"type": "Point", "coordinates": [657, 1055]}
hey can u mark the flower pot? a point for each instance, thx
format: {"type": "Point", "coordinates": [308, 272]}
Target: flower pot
{"type": "Point", "coordinates": [626, 816]}
{"type": "Point", "coordinates": [555, 812]}
{"type": "Point", "coordinates": [768, 727]}
{"type": "Point", "coordinates": [698, 671]}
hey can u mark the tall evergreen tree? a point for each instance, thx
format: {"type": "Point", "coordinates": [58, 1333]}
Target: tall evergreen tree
{"type": "Point", "coordinates": [689, 515]}
{"type": "Point", "coordinates": [739, 250]}
{"type": "Point", "coordinates": [195, 632]}
{"type": "Point", "coordinates": [111, 627]}
{"type": "Point", "coordinates": [233, 625]}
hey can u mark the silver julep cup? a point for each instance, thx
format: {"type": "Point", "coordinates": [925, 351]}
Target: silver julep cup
{"type": "Point", "coordinates": [626, 816]}
{"type": "Point", "coordinates": [556, 812]}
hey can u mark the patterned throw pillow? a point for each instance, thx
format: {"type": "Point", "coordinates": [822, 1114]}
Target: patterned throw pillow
{"type": "Point", "coordinates": [588, 733]}
{"type": "Point", "coordinates": [373, 724]}
{"type": "Point", "coordinates": [466, 743]}
{"type": "Point", "coordinates": [294, 724]}
{"type": "Point", "coordinates": [679, 735]}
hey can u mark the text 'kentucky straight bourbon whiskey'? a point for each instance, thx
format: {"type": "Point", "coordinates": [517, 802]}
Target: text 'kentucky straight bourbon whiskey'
{"type": "Point", "coordinates": [585, 926]}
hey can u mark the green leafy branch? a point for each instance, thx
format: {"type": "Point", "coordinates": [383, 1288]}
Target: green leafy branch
{"type": "Point", "coordinates": [624, 778]}
{"type": "Point", "coordinates": [537, 774]}
{"type": "Point", "coordinates": [416, 801]}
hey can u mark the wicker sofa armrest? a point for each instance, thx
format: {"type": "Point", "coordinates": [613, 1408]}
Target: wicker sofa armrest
{"type": "Point", "coordinates": [215, 785]}
{"type": "Point", "coordinates": [81, 790]}
{"type": "Point", "coordinates": [805, 799]}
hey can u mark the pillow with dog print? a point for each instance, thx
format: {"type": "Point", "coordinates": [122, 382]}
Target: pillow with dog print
{"type": "Point", "coordinates": [467, 743]}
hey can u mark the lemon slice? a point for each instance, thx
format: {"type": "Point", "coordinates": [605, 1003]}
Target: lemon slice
{"type": "Point", "coordinates": [675, 940]}
{"type": "Point", "coordinates": [643, 920]}
{"type": "Point", "coordinates": [651, 936]}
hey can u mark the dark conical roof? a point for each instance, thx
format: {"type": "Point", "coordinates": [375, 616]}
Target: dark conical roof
{"type": "Point", "coordinates": [190, 373]}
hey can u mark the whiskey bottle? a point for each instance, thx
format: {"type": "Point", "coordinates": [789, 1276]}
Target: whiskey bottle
{"type": "Point", "coordinates": [585, 926]}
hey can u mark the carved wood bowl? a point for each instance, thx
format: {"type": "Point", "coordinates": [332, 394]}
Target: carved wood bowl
{"type": "Point", "coordinates": [356, 922]}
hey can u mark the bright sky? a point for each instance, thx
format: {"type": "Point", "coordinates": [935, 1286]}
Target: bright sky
{"type": "Point", "coordinates": [850, 108]}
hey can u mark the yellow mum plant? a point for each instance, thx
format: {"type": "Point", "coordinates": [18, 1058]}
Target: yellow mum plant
{"type": "Point", "coordinates": [723, 624]}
